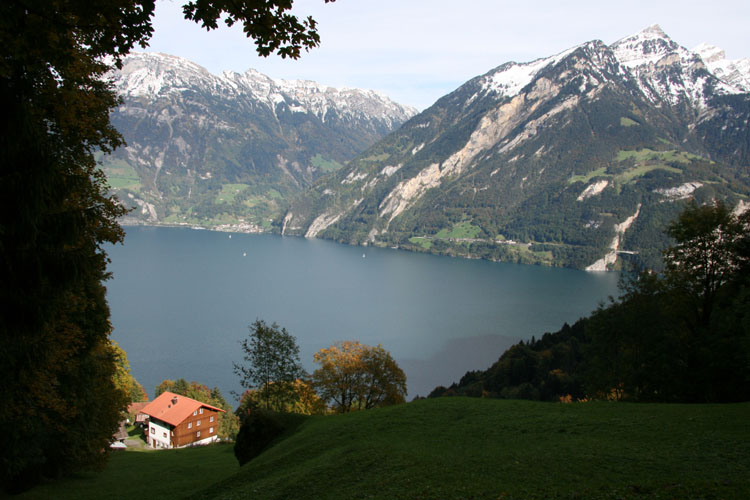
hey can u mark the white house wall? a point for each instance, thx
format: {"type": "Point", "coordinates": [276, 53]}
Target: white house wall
{"type": "Point", "coordinates": [157, 438]}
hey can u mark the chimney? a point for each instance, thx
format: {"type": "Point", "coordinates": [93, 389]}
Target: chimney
{"type": "Point", "coordinates": [174, 400]}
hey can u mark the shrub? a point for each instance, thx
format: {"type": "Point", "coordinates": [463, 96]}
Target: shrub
{"type": "Point", "coordinates": [260, 429]}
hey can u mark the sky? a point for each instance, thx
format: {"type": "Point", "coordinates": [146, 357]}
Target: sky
{"type": "Point", "coordinates": [416, 51]}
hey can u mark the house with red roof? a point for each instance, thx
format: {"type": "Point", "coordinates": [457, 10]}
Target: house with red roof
{"type": "Point", "coordinates": [176, 421]}
{"type": "Point", "coordinates": [135, 409]}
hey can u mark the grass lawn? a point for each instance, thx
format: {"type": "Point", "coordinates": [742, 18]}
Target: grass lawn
{"type": "Point", "coordinates": [646, 159]}
{"type": "Point", "coordinates": [425, 243]}
{"type": "Point", "coordinates": [476, 448]}
{"type": "Point", "coordinates": [646, 154]}
{"type": "Point", "coordinates": [120, 175]}
{"type": "Point", "coordinates": [640, 171]}
{"type": "Point", "coordinates": [461, 230]}
{"type": "Point", "coordinates": [587, 177]}
{"type": "Point", "coordinates": [229, 192]}
{"type": "Point", "coordinates": [380, 157]}
{"type": "Point", "coordinates": [162, 474]}
{"type": "Point", "coordinates": [458, 448]}
{"type": "Point", "coordinates": [324, 164]}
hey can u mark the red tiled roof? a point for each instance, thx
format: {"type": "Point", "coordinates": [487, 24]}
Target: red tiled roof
{"type": "Point", "coordinates": [137, 406]}
{"type": "Point", "coordinates": [167, 410]}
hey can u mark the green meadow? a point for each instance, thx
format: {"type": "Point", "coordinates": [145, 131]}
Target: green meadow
{"type": "Point", "coordinates": [458, 448]}
{"type": "Point", "coordinates": [120, 175]}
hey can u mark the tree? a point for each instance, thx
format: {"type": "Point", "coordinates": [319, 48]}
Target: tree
{"type": "Point", "coordinates": [358, 377]}
{"type": "Point", "coordinates": [711, 247]}
{"type": "Point", "coordinates": [707, 275]}
{"type": "Point", "coordinates": [305, 401]}
{"type": "Point", "coordinates": [273, 364]}
{"type": "Point", "coordinates": [54, 350]}
{"type": "Point", "coordinates": [228, 422]}
{"type": "Point", "coordinates": [123, 379]}
{"type": "Point", "coordinates": [681, 336]}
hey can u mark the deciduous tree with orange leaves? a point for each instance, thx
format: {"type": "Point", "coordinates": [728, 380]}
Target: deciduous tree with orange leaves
{"type": "Point", "coordinates": [354, 376]}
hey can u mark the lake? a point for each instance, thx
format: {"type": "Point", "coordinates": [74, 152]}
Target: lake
{"type": "Point", "coordinates": [182, 300]}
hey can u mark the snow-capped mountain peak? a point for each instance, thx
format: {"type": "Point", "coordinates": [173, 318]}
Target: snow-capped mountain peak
{"type": "Point", "coordinates": [154, 75]}
{"type": "Point", "coordinates": [734, 72]}
{"type": "Point", "coordinates": [709, 53]}
{"type": "Point", "coordinates": [668, 72]}
{"type": "Point", "coordinates": [508, 80]}
{"type": "Point", "coordinates": [647, 48]}
{"type": "Point", "coordinates": [151, 74]}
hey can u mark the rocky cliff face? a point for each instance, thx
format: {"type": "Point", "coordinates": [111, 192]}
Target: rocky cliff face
{"type": "Point", "coordinates": [574, 159]}
{"type": "Point", "coordinates": [205, 149]}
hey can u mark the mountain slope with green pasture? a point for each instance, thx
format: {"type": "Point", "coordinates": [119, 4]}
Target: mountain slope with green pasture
{"type": "Point", "coordinates": [578, 159]}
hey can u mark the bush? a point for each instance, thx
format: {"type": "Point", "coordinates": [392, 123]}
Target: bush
{"type": "Point", "coordinates": [260, 429]}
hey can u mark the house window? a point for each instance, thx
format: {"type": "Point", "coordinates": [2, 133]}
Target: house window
{"type": "Point", "coordinates": [199, 423]}
{"type": "Point", "coordinates": [190, 425]}
{"type": "Point", "coordinates": [211, 430]}
{"type": "Point", "coordinates": [172, 433]}
{"type": "Point", "coordinates": [164, 434]}
{"type": "Point", "coordinates": [201, 411]}
{"type": "Point", "coordinates": [153, 431]}
{"type": "Point", "coordinates": [195, 412]}
{"type": "Point", "coordinates": [211, 419]}
{"type": "Point", "coordinates": [198, 434]}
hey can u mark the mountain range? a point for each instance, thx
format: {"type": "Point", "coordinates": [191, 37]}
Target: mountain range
{"type": "Point", "coordinates": [580, 159]}
{"type": "Point", "coordinates": [229, 150]}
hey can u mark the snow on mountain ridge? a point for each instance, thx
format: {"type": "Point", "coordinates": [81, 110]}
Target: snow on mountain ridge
{"type": "Point", "coordinates": [665, 70]}
{"type": "Point", "coordinates": [644, 48]}
{"type": "Point", "coordinates": [152, 75]}
{"type": "Point", "coordinates": [735, 72]}
{"type": "Point", "coordinates": [508, 80]}
{"type": "Point", "coordinates": [660, 67]}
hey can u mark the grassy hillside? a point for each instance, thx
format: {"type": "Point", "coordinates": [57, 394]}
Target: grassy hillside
{"type": "Point", "coordinates": [467, 448]}
{"type": "Point", "coordinates": [129, 475]}
{"type": "Point", "coordinates": [462, 448]}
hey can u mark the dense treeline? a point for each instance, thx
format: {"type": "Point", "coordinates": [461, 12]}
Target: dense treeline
{"type": "Point", "coordinates": [679, 336]}
{"type": "Point", "coordinates": [545, 369]}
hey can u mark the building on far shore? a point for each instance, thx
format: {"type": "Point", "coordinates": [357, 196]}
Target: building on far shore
{"type": "Point", "coordinates": [176, 421]}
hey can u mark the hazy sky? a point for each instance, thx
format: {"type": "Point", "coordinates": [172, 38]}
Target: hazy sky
{"type": "Point", "coordinates": [416, 51]}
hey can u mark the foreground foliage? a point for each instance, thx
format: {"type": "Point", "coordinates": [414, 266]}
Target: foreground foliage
{"type": "Point", "coordinates": [124, 379]}
{"type": "Point", "coordinates": [60, 405]}
{"type": "Point", "coordinates": [682, 336]}
{"type": "Point", "coordinates": [262, 428]}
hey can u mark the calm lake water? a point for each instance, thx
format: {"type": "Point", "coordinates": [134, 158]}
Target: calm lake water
{"type": "Point", "coordinates": [182, 300]}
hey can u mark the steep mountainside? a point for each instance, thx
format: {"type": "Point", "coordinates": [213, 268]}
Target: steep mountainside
{"type": "Point", "coordinates": [206, 149]}
{"type": "Point", "coordinates": [579, 159]}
